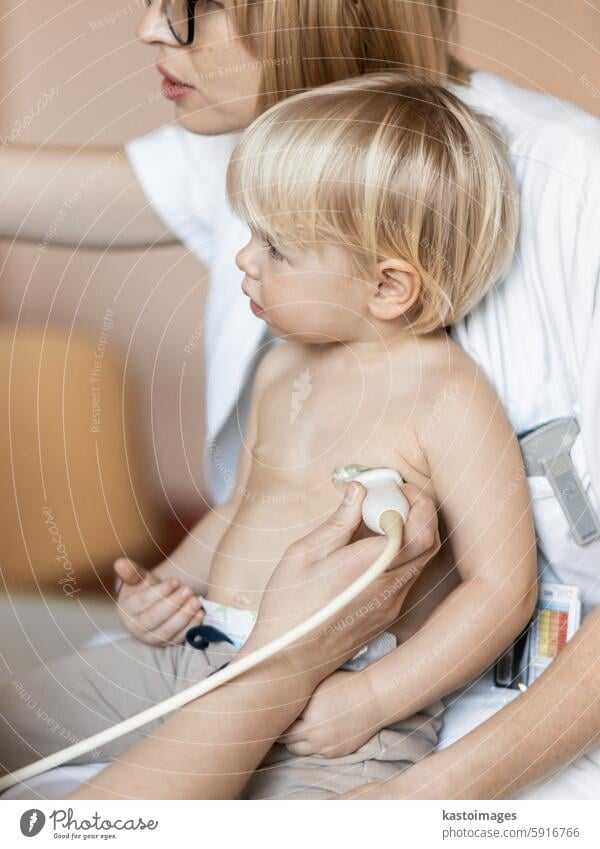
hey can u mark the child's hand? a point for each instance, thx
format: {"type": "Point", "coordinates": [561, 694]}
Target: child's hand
{"type": "Point", "coordinates": [335, 723]}
{"type": "Point", "coordinates": [154, 611]}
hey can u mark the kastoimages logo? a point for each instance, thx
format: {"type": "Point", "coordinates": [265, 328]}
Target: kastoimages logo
{"type": "Point", "coordinates": [32, 822]}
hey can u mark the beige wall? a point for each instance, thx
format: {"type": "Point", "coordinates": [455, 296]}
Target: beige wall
{"type": "Point", "coordinates": [106, 93]}
{"type": "Point", "coordinates": [548, 45]}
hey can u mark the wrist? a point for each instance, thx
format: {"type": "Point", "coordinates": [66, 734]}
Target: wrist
{"type": "Point", "coordinates": [435, 777]}
{"type": "Point", "coordinates": [377, 713]}
{"type": "Point", "coordinates": [465, 773]}
{"type": "Point", "coordinates": [286, 670]}
{"type": "Point", "coordinates": [277, 691]}
{"type": "Point", "coordinates": [393, 689]}
{"type": "Point", "coordinates": [306, 661]}
{"type": "Point", "coordinates": [443, 775]}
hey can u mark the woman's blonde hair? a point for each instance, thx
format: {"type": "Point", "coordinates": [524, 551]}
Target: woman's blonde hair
{"type": "Point", "coordinates": [302, 44]}
{"type": "Point", "coordinates": [389, 167]}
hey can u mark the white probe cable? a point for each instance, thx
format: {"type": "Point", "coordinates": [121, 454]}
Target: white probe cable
{"type": "Point", "coordinates": [391, 523]}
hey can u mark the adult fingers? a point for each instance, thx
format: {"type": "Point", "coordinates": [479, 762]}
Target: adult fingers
{"type": "Point", "coordinates": [382, 599]}
{"type": "Point", "coordinates": [357, 556]}
{"type": "Point", "coordinates": [421, 533]}
{"type": "Point", "coordinates": [336, 531]}
{"type": "Point", "coordinates": [421, 539]}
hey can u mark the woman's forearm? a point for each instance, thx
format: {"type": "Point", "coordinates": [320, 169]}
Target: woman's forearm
{"type": "Point", "coordinates": [209, 749]}
{"type": "Point", "coordinates": [543, 729]}
{"type": "Point", "coordinates": [77, 198]}
{"type": "Point", "coordinates": [455, 644]}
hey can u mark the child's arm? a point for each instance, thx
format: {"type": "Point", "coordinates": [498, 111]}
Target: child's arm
{"type": "Point", "coordinates": [190, 562]}
{"type": "Point", "coordinates": [477, 473]}
{"type": "Point", "coordinates": [159, 606]}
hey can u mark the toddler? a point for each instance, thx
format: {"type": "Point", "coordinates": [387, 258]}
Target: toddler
{"type": "Point", "coordinates": [381, 209]}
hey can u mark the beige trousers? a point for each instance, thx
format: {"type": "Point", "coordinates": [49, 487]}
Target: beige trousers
{"type": "Point", "coordinates": [83, 693]}
{"type": "Point", "coordinates": [285, 776]}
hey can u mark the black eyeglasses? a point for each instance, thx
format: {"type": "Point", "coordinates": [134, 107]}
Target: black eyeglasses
{"type": "Point", "coordinates": [181, 18]}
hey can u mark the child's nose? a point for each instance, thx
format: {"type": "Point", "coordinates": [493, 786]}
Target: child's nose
{"type": "Point", "coordinates": [246, 262]}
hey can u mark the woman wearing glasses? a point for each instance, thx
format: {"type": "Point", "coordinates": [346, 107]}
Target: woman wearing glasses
{"type": "Point", "coordinates": [222, 63]}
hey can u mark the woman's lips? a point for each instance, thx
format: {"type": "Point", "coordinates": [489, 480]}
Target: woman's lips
{"type": "Point", "coordinates": [255, 308]}
{"type": "Point", "coordinates": [172, 88]}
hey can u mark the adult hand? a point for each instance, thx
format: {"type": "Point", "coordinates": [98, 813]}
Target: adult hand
{"type": "Point", "coordinates": [334, 723]}
{"type": "Point", "coordinates": [318, 567]}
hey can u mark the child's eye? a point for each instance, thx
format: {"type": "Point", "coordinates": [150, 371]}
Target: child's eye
{"type": "Point", "coordinates": [273, 252]}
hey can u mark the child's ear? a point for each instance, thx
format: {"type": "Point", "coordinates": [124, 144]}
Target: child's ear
{"type": "Point", "coordinates": [398, 285]}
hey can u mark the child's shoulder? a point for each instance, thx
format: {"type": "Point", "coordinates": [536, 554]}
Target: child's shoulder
{"type": "Point", "coordinates": [437, 357]}
{"type": "Point", "coordinates": [280, 357]}
{"type": "Point", "coordinates": [445, 376]}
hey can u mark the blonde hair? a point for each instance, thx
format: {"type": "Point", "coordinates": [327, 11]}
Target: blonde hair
{"type": "Point", "coordinates": [389, 167]}
{"type": "Point", "coordinates": [302, 44]}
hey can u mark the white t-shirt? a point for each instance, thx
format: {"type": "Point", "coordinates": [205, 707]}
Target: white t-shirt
{"type": "Point", "coordinates": [537, 334]}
